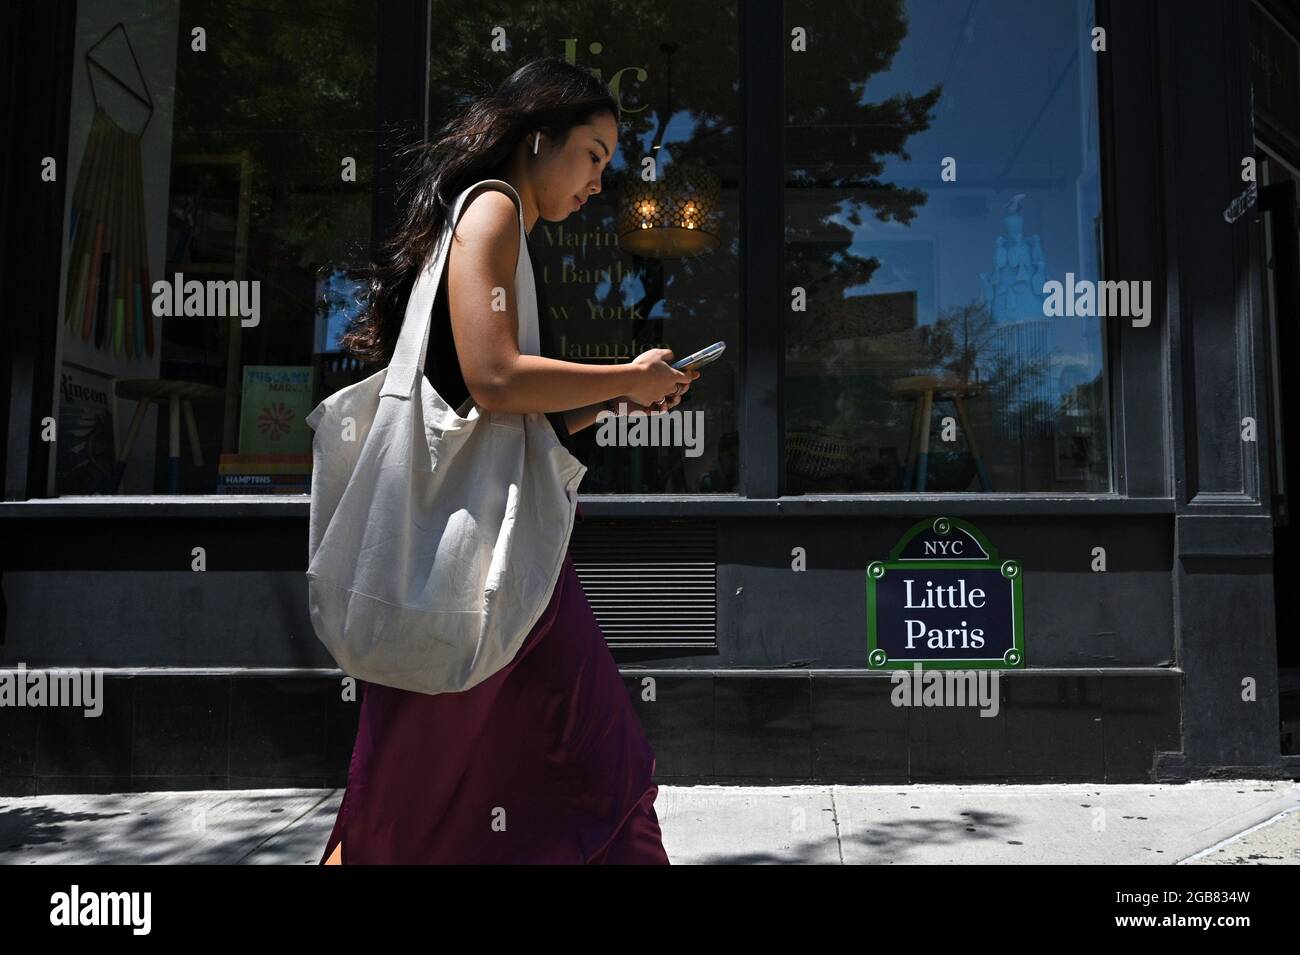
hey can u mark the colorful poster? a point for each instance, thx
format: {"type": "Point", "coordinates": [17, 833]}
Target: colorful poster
{"type": "Point", "coordinates": [273, 412]}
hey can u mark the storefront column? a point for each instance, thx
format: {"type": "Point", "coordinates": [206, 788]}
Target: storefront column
{"type": "Point", "coordinates": [1223, 589]}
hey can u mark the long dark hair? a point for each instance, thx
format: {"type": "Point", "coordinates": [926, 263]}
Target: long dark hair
{"type": "Point", "coordinates": [547, 94]}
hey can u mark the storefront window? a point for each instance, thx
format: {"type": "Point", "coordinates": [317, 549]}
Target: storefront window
{"type": "Point", "coordinates": [225, 149]}
{"type": "Point", "coordinates": [941, 174]}
{"type": "Point", "coordinates": [615, 285]}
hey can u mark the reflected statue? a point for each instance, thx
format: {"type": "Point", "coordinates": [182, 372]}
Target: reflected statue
{"type": "Point", "coordinates": [1013, 290]}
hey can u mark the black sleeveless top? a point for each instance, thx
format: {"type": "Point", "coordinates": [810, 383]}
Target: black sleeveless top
{"type": "Point", "coordinates": [442, 364]}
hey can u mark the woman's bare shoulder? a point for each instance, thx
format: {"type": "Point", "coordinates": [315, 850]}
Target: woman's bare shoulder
{"type": "Point", "coordinates": [488, 215]}
{"type": "Point", "coordinates": [489, 225]}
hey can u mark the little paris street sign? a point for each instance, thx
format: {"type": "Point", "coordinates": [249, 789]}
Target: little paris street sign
{"type": "Point", "coordinates": [944, 599]}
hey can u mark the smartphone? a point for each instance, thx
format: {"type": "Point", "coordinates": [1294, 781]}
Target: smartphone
{"type": "Point", "coordinates": [701, 357]}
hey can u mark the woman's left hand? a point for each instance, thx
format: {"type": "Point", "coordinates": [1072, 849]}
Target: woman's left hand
{"type": "Point", "coordinates": [630, 406]}
{"type": "Point", "coordinates": [666, 403]}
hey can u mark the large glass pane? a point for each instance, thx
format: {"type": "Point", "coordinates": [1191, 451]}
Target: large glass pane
{"type": "Point", "coordinates": [941, 172]}
{"type": "Point", "coordinates": [615, 284]}
{"type": "Point", "coordinates": [224, 150]}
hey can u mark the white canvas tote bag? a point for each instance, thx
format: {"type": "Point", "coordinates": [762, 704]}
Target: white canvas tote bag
{"type": "Point", "coordinates": [436, 535]}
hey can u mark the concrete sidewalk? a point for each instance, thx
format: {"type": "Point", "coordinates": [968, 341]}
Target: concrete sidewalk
{"type": "Point", "coordinates": [1200, 823]}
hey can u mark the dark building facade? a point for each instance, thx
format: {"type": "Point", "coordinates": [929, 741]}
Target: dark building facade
{"type": "Point", "coordinates": [1027, 270]}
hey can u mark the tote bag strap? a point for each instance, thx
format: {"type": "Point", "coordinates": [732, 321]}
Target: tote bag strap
{"type": "Point", "coordinates": [413, 341]}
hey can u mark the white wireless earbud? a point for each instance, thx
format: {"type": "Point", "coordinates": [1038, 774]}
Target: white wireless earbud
{"type": "Point", "coordinates": [537, 140]}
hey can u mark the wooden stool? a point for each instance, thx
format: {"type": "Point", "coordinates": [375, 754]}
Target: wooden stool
{"type": "Point", "coordinates": [180, 397]}
{"type": "Point", "coordinates": [926, 390]}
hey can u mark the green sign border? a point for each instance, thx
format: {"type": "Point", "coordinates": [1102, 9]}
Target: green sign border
{"type": "Point", "coordinates": [1013, 659]}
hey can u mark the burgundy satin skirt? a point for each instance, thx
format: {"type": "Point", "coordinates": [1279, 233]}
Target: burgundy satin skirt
{"type": "Point", "coordinates": [545, 762]}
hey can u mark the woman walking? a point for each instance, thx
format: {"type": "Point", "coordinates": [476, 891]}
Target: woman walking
{"type": "Point", "coordinates": [545, 761]}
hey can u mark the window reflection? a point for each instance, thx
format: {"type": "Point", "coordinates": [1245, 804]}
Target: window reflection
{"type": "Point", "coordinates": [642, 264]}
{"type": "Point", "coordinates": [232, 145]}
{"type": "Point", "coordinates": [941, 167]}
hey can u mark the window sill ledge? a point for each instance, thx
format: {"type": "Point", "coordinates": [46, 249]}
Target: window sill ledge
{"type": "Point", "coordinates": [617, 505]}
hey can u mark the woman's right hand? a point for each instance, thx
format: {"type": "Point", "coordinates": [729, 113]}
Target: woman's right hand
{"type": "Point", "coordinates": [657, 378]}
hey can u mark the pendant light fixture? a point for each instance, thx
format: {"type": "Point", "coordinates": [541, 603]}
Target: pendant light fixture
{"type": "Point", "coordinates": [676, 214]}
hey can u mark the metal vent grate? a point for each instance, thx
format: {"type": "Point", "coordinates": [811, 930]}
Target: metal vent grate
{"type": "Point", "coordinates": [650, 582]}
